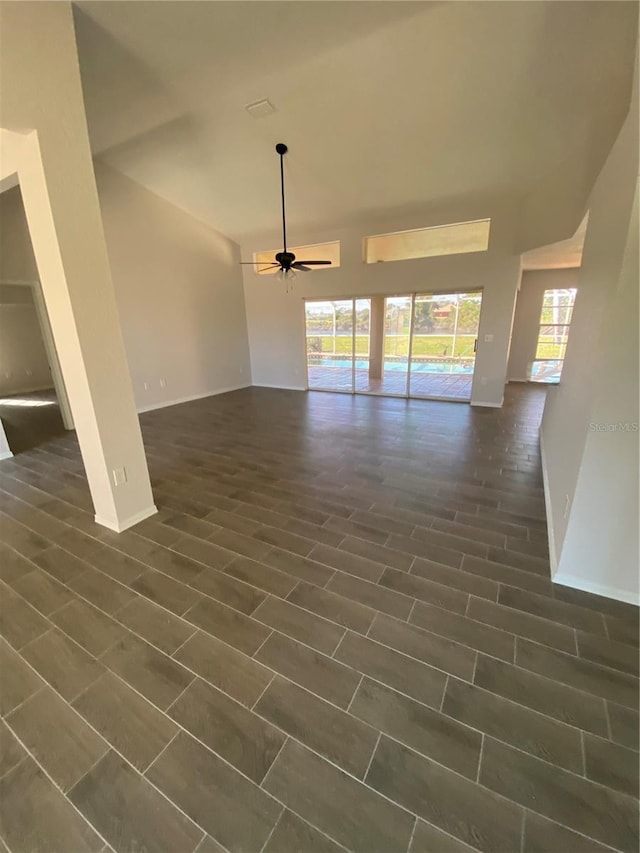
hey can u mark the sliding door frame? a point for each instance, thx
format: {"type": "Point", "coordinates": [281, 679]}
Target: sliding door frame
{"type": "Point", "coordinates": [354, 299]}
{"type": "Point", "coordinates": [306, 299]}
{"type": "Point", "coordinates": [410, 349]}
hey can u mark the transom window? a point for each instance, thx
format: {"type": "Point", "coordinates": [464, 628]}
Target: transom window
{"type": "Point", "coordinates": [454, 239]}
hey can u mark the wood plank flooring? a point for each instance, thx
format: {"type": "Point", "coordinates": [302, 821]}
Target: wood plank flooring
{"type": "Point", "coordinates": [339, 633]}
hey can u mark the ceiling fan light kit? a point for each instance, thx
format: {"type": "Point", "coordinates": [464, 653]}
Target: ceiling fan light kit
{"type": "Point", "coordinates": [286, 261]}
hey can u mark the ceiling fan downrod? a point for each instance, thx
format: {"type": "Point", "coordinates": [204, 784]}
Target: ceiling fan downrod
{"type": "Point", "coordinates": [285, 259]}
{"type": "Point", "coordinates": [282, 149]}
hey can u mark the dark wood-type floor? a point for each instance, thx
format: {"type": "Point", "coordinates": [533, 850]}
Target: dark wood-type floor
{"type": "Point", "coordinates": [338, 633]}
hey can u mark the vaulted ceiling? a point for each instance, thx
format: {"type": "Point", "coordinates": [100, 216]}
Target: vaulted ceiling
{"type": "Point", "coordinates": [386, 106]}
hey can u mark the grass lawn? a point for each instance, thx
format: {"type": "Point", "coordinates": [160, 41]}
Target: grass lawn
{"type": "Point", "coordinates": [548, 349]}
{"type": "Point", "coordinates": [437, 345]}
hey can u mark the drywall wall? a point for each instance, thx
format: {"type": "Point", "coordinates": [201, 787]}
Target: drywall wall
{"type": "Point", "coordinates": [17, 262]}
{"type": "Point", "coordinates": [23, 360]}
{"type": "Point", "coordinates": [178, 286]}
{"type": "Point", "coordinates": [608, 561]}
{"type": "Point", "coordinates": [526, 320]}
{"type": "Point", "coordinates": [276, 318]}
{"type": "Point", "coordinates": [592, 476]}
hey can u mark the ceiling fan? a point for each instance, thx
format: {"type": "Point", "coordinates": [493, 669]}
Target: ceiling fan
{"type": "Point", "coordinates": [286, 261]}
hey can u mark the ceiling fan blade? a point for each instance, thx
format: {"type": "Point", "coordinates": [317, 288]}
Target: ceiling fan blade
{"type": "Point", "coordinates": [254, 264]}
{"type": "Point", "coordinates": [300, 266]}
{"type": "Point", "coordinates": [314, 263]}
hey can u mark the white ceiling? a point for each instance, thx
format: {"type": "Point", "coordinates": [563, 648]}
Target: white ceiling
{"type": "Point", "coordinates": [384, 105]}
{"type": "Point", "coordinates": [561, 255]}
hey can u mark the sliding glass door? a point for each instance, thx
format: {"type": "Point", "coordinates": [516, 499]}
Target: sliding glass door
{"type": "Point", "coordinates": [445, 332]}
{"type": "Point", "coordinates": [416, 345]}
{"type": "Point", "coordinates": [330, 345]}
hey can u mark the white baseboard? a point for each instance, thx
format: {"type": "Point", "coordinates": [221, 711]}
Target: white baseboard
{"type": "Point", "coordinates": [279, 387]}
{"type": "Point", "coordinates": [596, 588]}
{"type": "Point", "coordinates": [433, 399]}
{"type": "Point", "coordinates": [553, 557]}
{"type": "Point", "coordinates": [5, 454]}
{"type": "Point", "coordinates": [166, 403]}
{"type": "Point", "coordinates": [119, 526]}
{"type": "Point", "coordinates": [488, 405]}
{"type": "Point", "coordinates": [31, 389]}
{"type": "Point", "coordinates": [515, 379]}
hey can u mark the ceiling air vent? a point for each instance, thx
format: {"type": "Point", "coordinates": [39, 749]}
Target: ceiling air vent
{"type": "Point", "coordinates": [260, 109]}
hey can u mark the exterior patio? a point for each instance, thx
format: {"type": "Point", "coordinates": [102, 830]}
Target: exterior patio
{"type": "Point", "coordinates": [454, 386]}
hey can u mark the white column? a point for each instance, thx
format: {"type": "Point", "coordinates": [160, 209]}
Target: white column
{"type": "Point", "coordinates": [42, 97]}
{"type": "Point", "coordinates": [376, 340]}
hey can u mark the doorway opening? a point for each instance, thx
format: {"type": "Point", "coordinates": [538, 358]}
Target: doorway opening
{"type": "Point", "coordinates": [409, 345]}
{"type": "Point", "coordinates": [33, 400]}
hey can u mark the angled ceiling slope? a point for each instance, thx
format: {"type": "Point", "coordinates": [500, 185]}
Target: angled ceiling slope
{"type": "Point", "coordinates": [384, 105]}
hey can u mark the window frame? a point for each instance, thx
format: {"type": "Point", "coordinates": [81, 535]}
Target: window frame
{"type": "Point", "coordinates": [428, 228]}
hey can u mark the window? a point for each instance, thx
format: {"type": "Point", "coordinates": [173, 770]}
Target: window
{"type": "Point", "coordinates": [553, 334]}
{"type": "Point", "coordinates": [316, 252]}
{"type": "Point", "coordinates": [454, 239]}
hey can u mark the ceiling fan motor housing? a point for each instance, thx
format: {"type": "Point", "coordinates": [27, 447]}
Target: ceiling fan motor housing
{"type": "Point", "coordinates": [285, 259]}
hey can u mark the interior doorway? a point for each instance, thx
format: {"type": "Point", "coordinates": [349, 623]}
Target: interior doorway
{"type": "Point", "coordinates": [33, 400]}
{"type": "Point", "coordinates": [408, 345]}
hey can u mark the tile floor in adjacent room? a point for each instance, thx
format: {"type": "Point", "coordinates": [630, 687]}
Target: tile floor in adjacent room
{"type": "Point", "coordinates": [339, 633]}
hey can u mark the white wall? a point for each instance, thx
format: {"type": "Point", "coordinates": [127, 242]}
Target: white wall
{"type": "Point", "coordinates": [595, 474]}
{"type": "Point", "coordinates": [276, 319]}
{"type": "Point", "coordinates": [17, 262]}
{"type": "Point", "coordinates": [526, 321]}
{"type": "Point", "coordinates": [178, 288]}
{"type": "Point", "coordinates": [179, 291]}
{"type": "Point", "coordinates": [24, 365]}
{"type": "Point", "coordinates": [608, 562]}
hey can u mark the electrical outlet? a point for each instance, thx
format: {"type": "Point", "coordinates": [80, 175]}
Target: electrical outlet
{"type": "Point", "coordinates": [163, 383]}
{"type": "Point", "coordinates": [119, 476]}
{"type": "Point", "coordinates": [483, 380]}
{"type": "Point", "coordinates": [488, 339]}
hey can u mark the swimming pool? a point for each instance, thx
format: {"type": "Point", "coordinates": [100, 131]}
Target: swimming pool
{"type": "Point", "coordinates": [416, 366]}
